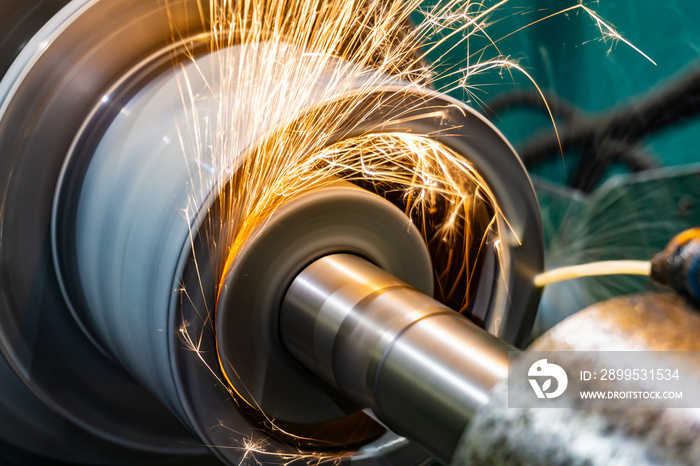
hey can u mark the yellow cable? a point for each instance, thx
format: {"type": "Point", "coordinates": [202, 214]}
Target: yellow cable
{"type": "Point", "coordinates": [594, 268]}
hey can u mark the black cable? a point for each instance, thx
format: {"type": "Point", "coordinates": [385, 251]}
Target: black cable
{"type": "Point", "coordinates": [660, 110]}
{"type": "Point", "coordinates": [596, 161]}
{"type": "Point", "coordinates": [560, 108]}
{"type": "Point", "coordinates": [607, 138]}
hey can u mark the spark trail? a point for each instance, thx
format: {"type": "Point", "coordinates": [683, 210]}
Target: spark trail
{"type": "Point", "coordinates": [343, 42]}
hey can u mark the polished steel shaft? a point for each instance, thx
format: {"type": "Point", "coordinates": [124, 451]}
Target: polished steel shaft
{"type": "Point", "coordinates": [422, 368]}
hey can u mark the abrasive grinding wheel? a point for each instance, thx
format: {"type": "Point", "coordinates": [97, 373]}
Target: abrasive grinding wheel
{"type": "Point", "coordinates": [111, 266]}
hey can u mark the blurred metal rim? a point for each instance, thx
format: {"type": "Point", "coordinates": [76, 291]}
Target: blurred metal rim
{"type": "Point", "coordinates": [396, 108]}
{"type": "Point", "coordinates": [47, 94]}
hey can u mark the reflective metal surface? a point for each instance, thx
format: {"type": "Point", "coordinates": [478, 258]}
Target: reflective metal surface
{"type": "Point", "coordinates": [96, 255]}
{"type": "Point", "coordinates": [338, 218]}
{"type": "Point", "coordinates": [587, 432]}
{"type": "Point", "coordinates": [422, 368]}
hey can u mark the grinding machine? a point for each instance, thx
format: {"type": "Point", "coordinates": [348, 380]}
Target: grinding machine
{"type": "Point", "coordinates": [321, 342]}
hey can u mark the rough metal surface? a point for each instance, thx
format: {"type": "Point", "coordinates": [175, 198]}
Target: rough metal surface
{"type": "Point", "coordinates": [588, 436]}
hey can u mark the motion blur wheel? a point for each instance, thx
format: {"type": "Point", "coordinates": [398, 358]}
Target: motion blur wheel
{"type": "Point", "coordinates": [113, 262]}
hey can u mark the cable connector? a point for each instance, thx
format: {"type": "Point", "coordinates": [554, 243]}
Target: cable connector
{"type": "Point", "coordinates": [678, 264]}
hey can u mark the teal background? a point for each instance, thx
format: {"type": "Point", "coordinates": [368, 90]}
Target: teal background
{"type": "Point", "coordinates": [567, 55]}
{"type": "Point", "coordinates": [628, 216]}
